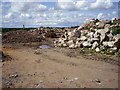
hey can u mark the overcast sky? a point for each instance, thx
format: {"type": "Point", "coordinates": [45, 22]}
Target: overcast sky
{"type": "Point", "coordinates": [57, 13]}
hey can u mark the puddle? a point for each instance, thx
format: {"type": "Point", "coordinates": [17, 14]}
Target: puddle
{"type": "Point", "coordinates": [45, 47]}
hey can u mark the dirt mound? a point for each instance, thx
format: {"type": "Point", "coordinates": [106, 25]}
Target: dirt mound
{"type": "Point", "coordinates": [51, 34]}
{"type": "Point", "coordinates": [21, 36]}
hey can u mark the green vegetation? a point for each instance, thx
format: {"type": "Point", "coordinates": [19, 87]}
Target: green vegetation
{"type": "Point", "coordinates": [115, 31]}
{"type": "Point", "coordinates": [4, 30]}
{"type": "Point", "coordinates": [115, 22]}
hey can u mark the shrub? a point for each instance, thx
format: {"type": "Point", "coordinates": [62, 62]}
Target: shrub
{"type": "Point", "coordinates": [115, 31]}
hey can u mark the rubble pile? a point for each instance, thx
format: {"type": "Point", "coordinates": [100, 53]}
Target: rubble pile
{"type": "Point", "coordinates": [21, 36]}
{"type": "Point", "coordinates": [33, 35]}
{"type": "Point", "coordinates": [95, 35]}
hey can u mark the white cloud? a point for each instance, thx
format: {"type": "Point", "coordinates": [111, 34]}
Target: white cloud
{"type": "Point", "coordinates": [41, 7]}
{"type": "Point", "coordinates": [49, 0]}
{"type": "Point", "coordinates": [68, 13]}
{"type": "Point", "coordinates": [66, 5]}
{"type": "Point", "coordinates": [102, 4]}
{"type": "Point", "coordinates": [44, 15]}
{"type": "Point", "coordinates": [56, 18]}
{"type": "Point", "coordinates": [84, 5]}
{"type": "Point", "coordinates": [9, 15]}
{"type": "Point", "coordinates": [15, 7]}
{"type": "Point", "coordinates": [0, 8]}
{"type": "Point", "coordinates": [114, 12]}
{"type": "Point", "coordinates": [27, 7]}
{"type": "Point", "coordinates": [24, 15]}
{"type": "Point", "coordinates": [30, 0]}
{"type": "Point", "coordinates": [65, 0]}
{"type": "Point", "coordinates": [23, 12]}
{"type": "Point", "coordinates": [101, 16]}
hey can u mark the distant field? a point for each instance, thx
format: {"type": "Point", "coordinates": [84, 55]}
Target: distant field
{"type": "Point", "coordinates": [4, 30]}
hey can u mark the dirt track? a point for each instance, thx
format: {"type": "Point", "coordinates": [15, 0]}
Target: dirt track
{"type": "Point", "coordinates": [56, 67]}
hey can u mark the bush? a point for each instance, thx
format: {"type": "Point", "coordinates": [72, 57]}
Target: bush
{"type": "Point", "coordinates": [115, 31]}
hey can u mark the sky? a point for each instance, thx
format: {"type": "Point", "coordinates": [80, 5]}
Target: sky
{"type": "Point", "coordinates": [36, 13]}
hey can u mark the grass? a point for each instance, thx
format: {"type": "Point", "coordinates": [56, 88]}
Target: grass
{"type": "Point", "coordinates": [115, 31]}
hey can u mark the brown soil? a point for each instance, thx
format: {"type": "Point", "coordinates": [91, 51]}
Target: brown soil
{"type": "Point", "coordinates": [57, 67]}
{"type": "Point", "coordinates": [22, 36]}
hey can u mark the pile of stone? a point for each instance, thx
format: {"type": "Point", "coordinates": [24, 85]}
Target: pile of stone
{"type": "Point", "coordinates": [33, 35]}
{"type": "Point", "coordinates": [96, 35]}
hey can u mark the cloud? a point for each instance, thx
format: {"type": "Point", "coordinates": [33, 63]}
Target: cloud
{"type": "Point", "coordinates": [101, 4]}
{"type": "Point", "coordinates": [0, 8]}
{"type": "Point", "coordinates": [114, 12]}
{"type": "Point", "coordinates": [84, 5]}
{"type": "Point", "coordinates": [24, 15]}
{"type": "Point", "coordinates": [30, 0]}
{"type": "Point", "coordinates": [27, 7]}
{"type": "Point", "coordinates": [9, 15]}
{"type": "Point", "coordinates": [100, 16]}
{"type": "Point", "coordinates": [64, 14]}
{"type": "Point", "coordinates": [66, 5]}
{"type": "Point", "coordinates": [22, 11]}
{"type": "Point", "coordinates": [16, 7]}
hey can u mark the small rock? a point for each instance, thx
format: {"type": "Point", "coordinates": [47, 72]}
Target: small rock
{"type": "Point", "coordinates": [91, 34]}
{"type": "Point", "coordinates": [98, 81]}
{"type": "Point", "coordinates": [64, 45]}
{"type": "Point", "coordinates": [97, 49]}
{"type": "Point", "coordinates": [94, 45]}
{"type": "Point", "coordinates": [41, 81]}
{"type": "Point", "coordinates": [107, 26]}
{"type": "Point", "coordinates": [76, 78]}
{"type": "Point", "coordinates": [16, 75]}
{"type": "Point", "coordinates": [83, 38]}
{"type": "Point", "coordinates": [114, 48]}
{"type": "Point", "coordinates": [87, 44]}
{"type": "Point", "coordinates": [72, 46]}
{"type": "Point", "coordinates": [37, 51]}
{"type": "Point", "coordinates": [61, 81]}
{"type": "Point", "coordinates": [108, 44]}
{"type": "Point", "coordinates": [70, 42]}
{"type": "Point", "coordinates": [77, 33]}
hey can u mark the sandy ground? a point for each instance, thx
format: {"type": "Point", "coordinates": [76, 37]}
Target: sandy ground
{"type": "Point", "coordinates": [56, 67]}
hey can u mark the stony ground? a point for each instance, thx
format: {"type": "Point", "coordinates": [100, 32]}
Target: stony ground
{"type": "Point", "coordinates": [56, 67]}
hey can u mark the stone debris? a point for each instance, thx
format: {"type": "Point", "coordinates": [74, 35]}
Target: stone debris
{"type": "Point", "coordinates": [13, 76]}
{"type": "Point", "coordinates": [71, 80]}
{"type": "Point", "coordinates": [97, 49]}
{"type": "Point", "coordinates": [98, 81]}
{"type": "Point", "coordinates": [33, 35]}
{"type": "Point", "coordinates": [95, 34]}
{"type": "Point", "coordinates": [37, 51]}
